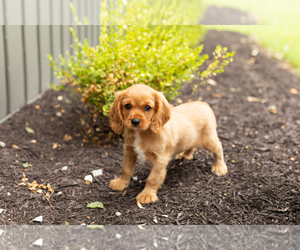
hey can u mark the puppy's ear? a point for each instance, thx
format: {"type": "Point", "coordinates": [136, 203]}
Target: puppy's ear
{"type": "Point", "coordinates": [116, 115]}
{"type": "Point", "coordinates": [162, 113]}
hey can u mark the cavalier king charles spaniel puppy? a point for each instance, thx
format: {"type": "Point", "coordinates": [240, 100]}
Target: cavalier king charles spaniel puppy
{"type": "Point", "coordinates": [155, 131]}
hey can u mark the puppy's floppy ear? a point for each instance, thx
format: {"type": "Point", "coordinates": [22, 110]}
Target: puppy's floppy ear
{"type": "Point", "coordinates": [116, 115]}
{"type": "Point", "coordinates": [162, 113]}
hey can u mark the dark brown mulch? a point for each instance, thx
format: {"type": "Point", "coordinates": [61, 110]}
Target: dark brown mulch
{"type": "Point", "coordinates": [261, 149]}
{"type": "Point", "coordinates": [227, 16]}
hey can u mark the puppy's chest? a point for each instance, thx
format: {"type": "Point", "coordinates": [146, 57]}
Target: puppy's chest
{"type": "Point", "coordinates": [145, 148]}
{"type": "Point", "coordinates": [138, 149]}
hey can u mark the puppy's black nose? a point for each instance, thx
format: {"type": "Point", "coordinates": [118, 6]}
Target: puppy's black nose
{"type": "Point", "coordinates": [135, 121]}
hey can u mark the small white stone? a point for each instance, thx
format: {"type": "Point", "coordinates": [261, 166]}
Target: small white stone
{"type": "Point", "coordinates": [83, 224]}
{"type": "Point", "coordinates": [1, 210]}
{"type": "Point", "coordinates": [38, 242]}
{"type": "Point", "coordinates": [164, 215]}
{"type": "Point", "coordinates": [97, 172]}
{"type": "Point", "coordinates": [83, 248]}
{"type": "Point", "coordinates": [1, 231]}
{"type": "Point", "coordinates": [8, 193]}
{"type": "Point", "coordinates": [118, 236]}
{"type": "Point", "coordinates": [255, 52]}
{"type": "Point", "coordinates": [118, 214]}
{"type": "Point", "coordinates": [58, 114]}
{"type": "Point", "coordinates": [65, 168]}
{"type": "Point", "coordinates": [17, 161]}
{"type": "Point", "coordinates": [60, 98]}
{"type": "Point", "coordinates": [155, 244]}
{"type": "Point", "coordinates": [2, 144]}
{"type": "Point", "coordinates": [155, 220]}
{"type": "Point", "coordinates": [165, 238]}
{"type": "Point", "coordinates": [38, 219]}
{"type": "Point", "coordinates": [59, 193]}
{"type": "Point", "coordinates": [88, 178]}
{"type": "Point", "coordinates": [134, 178]}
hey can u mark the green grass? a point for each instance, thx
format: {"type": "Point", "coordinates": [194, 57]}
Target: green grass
{"type": "Point", "coordinates": [279, 31]}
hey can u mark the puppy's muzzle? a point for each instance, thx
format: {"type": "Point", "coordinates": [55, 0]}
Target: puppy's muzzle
{"type": "Point", "coordinates": [135, 121]}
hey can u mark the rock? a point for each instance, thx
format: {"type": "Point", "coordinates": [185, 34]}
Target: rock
{"type": "Point", "coordinates": [2, 144]}
{"type": "Point", "coordinates": [65, 168]}
{"type": "Point", "coordinates": [38, 242]}
{"type": "Point", "coordinates": [1, 210]}
{"type": "Point", "coordinates": [118, 214]}
{"type": "Point", "coordinates": [134, 178]}
{"type": "Point", "coordinates": [38, 219]}
{"type": "Point", "coordinates": [118, 236]}
{"type": "Point", "coordinates": [97, 172]}
{"type": "Point", "coordinates": [88, 178]}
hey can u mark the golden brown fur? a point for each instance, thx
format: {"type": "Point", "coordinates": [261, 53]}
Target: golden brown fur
{"type": "Point", "coordinates": [163, 132]}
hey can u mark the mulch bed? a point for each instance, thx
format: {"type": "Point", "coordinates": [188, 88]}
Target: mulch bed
{"type": "Point", "coordinates": [261, 142]}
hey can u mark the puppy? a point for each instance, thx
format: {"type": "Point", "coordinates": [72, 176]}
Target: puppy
{"type": "Point", "coordinates": [155, 131]}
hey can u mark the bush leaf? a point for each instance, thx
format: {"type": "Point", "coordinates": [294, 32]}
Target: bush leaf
{"type": "Point", "coordinates": [26, 165]}
{"type": "Point", "coordinates": [95, 204]}
{"type": "Point", "coordinates": [29, 130]}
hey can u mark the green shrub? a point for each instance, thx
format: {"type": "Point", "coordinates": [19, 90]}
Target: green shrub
{"type": "Point", "coordinates": [157, 55]}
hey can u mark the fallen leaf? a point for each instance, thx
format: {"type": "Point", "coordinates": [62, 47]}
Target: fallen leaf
{"type": "Point", "coordinates": [55, 145]}
{"type": "Point", "coordinates": [140, 205]}
{"type": "Point", "coordinates": [272, 109]}
{"type": "Point", "coordinates": [50, 188]}
{"type": "Point", "coordinates": [211, 82]}
{"type": "Point", "coordinates": [67, 137]}
{"type": "Point", "coordinates": [29, 130]}
{"type": "Point", "coordinates": [218, 95]}
{"type": "Point", "coordinates": [95, 227]}
{"type": "Point", "coordinates": [294, 91]}
{"type": "Point", "coordinates": [95, 204]}
{"type": "Point", "coordinates": [253, 99]}
{"type": "Point", "coordinates": [251, 61]}
{"type": "Point", "coordinates": [26, 165]}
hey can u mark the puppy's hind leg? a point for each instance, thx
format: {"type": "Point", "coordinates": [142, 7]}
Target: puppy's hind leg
{"type": "Point", "coordinates": [188, 154]}
{"type": "Point", "coordinates": [213, 144]}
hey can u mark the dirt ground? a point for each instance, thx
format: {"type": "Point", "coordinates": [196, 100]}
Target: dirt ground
{"type": "Point", "coordinates": [261, 142]}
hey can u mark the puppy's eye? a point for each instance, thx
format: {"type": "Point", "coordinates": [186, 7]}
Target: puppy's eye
{"type": "Point", "coordinates": [127, 106]}
{"type": "Point", "coordinates": [147, 108]}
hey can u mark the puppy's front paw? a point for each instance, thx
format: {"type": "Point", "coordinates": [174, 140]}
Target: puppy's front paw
{"type": "Point", "coordinates": [146, 197]}
{"type": "Point", "coordinates": [220, 169]}
{"type": "Point", "coordinates": [118, 184]}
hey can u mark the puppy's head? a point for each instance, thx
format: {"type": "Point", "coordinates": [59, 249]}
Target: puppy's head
{"type": "Point", "coordinates": [139, 108]}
